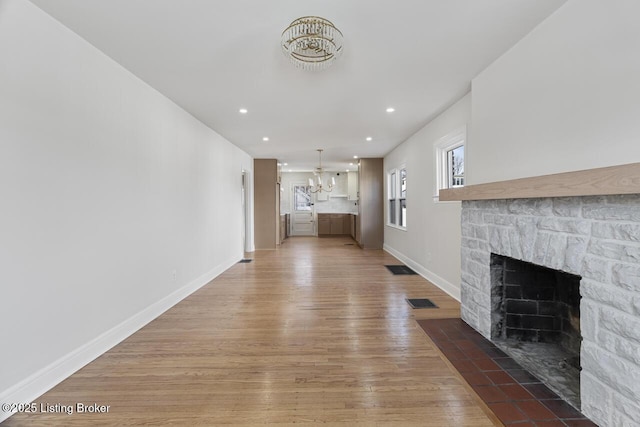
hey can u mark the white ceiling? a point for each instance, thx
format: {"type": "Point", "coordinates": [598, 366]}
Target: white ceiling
{"type": "Point", "coordinates": [213, 57]}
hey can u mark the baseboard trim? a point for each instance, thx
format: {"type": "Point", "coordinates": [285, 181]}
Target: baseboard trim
{"type": "Point", "coordinates": [448, 287]}
{"type": "Point", "coordinates": [48, 377]}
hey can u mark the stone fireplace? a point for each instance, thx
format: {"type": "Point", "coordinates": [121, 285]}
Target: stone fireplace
{"type": "Point", "coordinates": [594, 243]}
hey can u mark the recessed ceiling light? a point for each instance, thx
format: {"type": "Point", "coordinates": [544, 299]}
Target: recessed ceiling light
{"type": "Point", "coordinates": [265, 139]}
{"type": "Point", "coordinates": [390, 110]}
{"type": "Point", "coordinates": [243, 111]}
{"type": "Point", "coordinates": [369, 138]}
{"type": "Point", "coordinates": [286, 164]}
{"type": "Point", "coordinates": [355, 157]}
{"type": "Point", "coordinates": [347, 170]}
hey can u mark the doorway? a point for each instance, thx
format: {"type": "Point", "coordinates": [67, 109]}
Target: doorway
{"type": "Point", "coordinates": [302, 210]}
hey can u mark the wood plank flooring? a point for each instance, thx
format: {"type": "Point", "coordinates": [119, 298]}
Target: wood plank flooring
{"type": "Point", "coordinates": [316, 332]}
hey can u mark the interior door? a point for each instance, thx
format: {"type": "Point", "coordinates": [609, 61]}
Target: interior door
{"type": "Point", "coordinates": [303, 212]}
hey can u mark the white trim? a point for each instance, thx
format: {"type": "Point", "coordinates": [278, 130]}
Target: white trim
{"type": "Point", "coordinates": [45, 379]}
{"type": "Point", "coordinates": [397, 227]}
{"type": "Point", "coordinates": [448, 287]}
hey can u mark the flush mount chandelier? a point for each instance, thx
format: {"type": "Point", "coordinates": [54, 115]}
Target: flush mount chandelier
{"type": "Point", "coordinates": [312, 43]}
{"type": "Point", "coordinates": [317, 187]}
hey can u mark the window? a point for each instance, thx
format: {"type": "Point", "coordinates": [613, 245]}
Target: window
{"type": "Point", "coordinates": [397, 196]}
{"type": "Point", "coordinates": [392, 197]}
{"type": "Point", "coordinates": [449, 157]}
{"type": "Point", "coordinates": [455, 167]}
{"type": "Point", "coordinates": [403, 198]}
{"type": "Point", "coordinates": [301, 198]}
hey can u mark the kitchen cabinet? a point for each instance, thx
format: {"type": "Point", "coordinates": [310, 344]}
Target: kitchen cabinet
{"type": "Point", "coordinates": [324, 224]}
{"type": "Point", "coordinates": [337, 224]}
{"type": "Point", "coordinates": [334, 224]}
{"type": "Point", "coordinates": [370, 205]}
{"type": "Point", "coordinates": [284, 227]}
{"type": "Point", "coordinates": [352, 226]}
{"type": "Point", "coordinates": [266, 203]}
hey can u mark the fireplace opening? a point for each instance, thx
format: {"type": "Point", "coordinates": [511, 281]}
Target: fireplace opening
{"type": "Point", "coordinates": [536, 320]}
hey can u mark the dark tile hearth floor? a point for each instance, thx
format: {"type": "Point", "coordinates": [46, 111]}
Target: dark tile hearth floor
{"type": "Point", "coordinates": [515, 396]}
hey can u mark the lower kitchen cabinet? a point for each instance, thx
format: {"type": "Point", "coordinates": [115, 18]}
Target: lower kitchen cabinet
{"type": "Point", "coordinates": [334, 224]}
{"type": "Point", "coordinates": [324, 224]}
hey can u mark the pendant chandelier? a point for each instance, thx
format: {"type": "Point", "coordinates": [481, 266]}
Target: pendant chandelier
{"type": "Point", "coordinates": [318, 185]}
{"type": "Point", "coordinates": [312, 43]}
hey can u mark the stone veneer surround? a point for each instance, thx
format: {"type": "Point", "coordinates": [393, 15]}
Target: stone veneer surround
{"type": "Point", "coordinates": [596, 237]}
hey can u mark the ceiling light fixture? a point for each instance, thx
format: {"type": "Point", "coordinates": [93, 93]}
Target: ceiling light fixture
{"type": "Point", "coordinates": [312, 43]}
{"type": "Point", "coordinates": [355, 157]}
{"type": "Point", "coordinates": [369, 138]}
{"type": "Point", "coordinates": [243, 111]}
{"type": "Point", "coordinates": [390, 110]}
{"type": "Point", "coordinates": [265, 139]}
{"type": "Point", "coordinates": [317, 187]}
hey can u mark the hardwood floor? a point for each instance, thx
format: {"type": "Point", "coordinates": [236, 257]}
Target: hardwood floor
{"type": "Point", "coordinates": [316, 332]}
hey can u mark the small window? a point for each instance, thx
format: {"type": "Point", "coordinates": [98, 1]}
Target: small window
{"type": "Point", "coordinates": [397, 198]}
{"type": "Point", "coordinates": [449, 157]}
{"type": "Point", "coordinates": [455, 167]}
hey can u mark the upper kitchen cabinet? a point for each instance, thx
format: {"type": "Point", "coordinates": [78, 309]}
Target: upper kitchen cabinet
{"type": "Point", "coordinates": [371, 205]}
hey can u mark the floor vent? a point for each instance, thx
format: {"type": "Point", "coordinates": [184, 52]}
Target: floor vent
{"type": "Point", "coordinates": [421, 303]}
{"type": "Point", "coordinates": [400, 269]}
{"type": "Point", "coordinates": [244, 261]}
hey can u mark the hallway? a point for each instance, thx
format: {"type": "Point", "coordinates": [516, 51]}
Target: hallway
{"type": "Point", "coordinates": [315, 332]}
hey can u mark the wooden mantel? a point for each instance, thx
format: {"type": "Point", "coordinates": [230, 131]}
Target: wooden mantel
{"type": "Point", "coordinates": [624, 179]}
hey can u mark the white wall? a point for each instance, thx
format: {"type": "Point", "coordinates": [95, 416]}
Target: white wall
{"type": "Point", "coordinates": [107, 188]}
{"type": "Point", "coordinates": [431, 243]}
{"type": "Point", "coordinates": [566, 97]}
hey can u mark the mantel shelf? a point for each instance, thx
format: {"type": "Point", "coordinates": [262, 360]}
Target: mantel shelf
{"type": "Point", "coordinates": [624, 179]}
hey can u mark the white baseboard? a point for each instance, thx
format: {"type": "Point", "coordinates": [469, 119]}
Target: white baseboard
{"type": "Point", "coordinates": [448, 287]}
{"type": "Point", "coordinates": [48, 377]}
